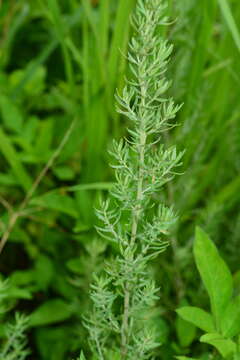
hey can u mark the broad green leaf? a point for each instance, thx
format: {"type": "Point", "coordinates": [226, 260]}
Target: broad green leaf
{"type": "Point", "coordinates": [186, 332]}
{"type": "Point", "coordinates": [226, 347]}
{"type": "Point", "coordinates": [64, 172]}
{"type": "Point", "coordinates": [230, 322]}
{"type": "Point", "coordinates": [197, 317]}
{"type": "Point", "coordinates": [75, 265]}
{"type": "Point", "coordinates": [44, 272]}
{"type": "Point", "coordinates": [51, 312]}
{"type": "Point", "coordinates": [214, 273]}
{"type": "Point", "coordinates": [17, 293]}
{"type": "Point", "coordinates": [22, 277]}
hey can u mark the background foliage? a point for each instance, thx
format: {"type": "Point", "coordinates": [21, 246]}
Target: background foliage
{"type": "Point", "coordinates": [60, 62]}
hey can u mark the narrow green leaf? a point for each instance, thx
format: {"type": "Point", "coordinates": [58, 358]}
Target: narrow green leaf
{"type": "Point", "coordinates": [82, 356]}
{"type": "Point", "coordinates": [91, 186]}
{"type": "Point", "coordinates": [197, 317]}
{"type": "Point", "coordinates": [100, 51]}
{"type": "Point", "coordinates": [227, 13]}
{"type": "Point", "coordinates": [120, 30]}
{"type": "Point", "coordinates": [214, 273]}
{"type": "Point", "coordinates": [226, 347]}
{"type": "Point", "coordinates": [60, 29]}
{"type": "Point", "coordinates": [105, 14]}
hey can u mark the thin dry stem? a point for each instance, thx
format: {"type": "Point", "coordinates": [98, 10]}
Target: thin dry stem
{"type": "Point", "coordinates": [15, 215]}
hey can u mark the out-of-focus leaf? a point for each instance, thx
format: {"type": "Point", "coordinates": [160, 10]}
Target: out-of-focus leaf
{"type": "Point", "coordinates": [35, 85]}
{"type": "Point", "coordinates": [227, 13]}
{"type": "Point", "coordinates": [75, 266]}
{"type": "Point", "coordinates": [8, 179]}
{"type": "Point", "coordinates": [91, 186]}
{"type": "Point", "coordinates": [55, 201]}
{"type": "Point", "coordinates": [12, 157]}
{"type": "Point", "coordinates": [186, 332]}
{"type": "Point", "coordinates": [50, 312]}
{"type": "Point", "coordinates": [64, 172]}
{"type": "Point", "coordinates": [44, 138]}
{"type": "Point", "coordinates": [230, 321]}
{"type": "Point", "coordinates": [198, 317]}
{"type": "Point", "coordinates": [53, 342]}
{"type": "Point", "coordinates": [82, 356]}
{"type": "Point", "coordinates": [11, 115]}
{"type": "Point", "coordinates": [214, 273]}
{"type": "Point", "coordinates": [226, 347]}
{"type": "Point", "coordinates": [44, 272]}
{"type": "Point", "coordinates": [185, 358]}
{"type": "Point", "coordinates": [17, 293]}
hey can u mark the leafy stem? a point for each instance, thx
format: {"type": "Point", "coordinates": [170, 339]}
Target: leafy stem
{"type": "Point", "coordinates": [141, 170]}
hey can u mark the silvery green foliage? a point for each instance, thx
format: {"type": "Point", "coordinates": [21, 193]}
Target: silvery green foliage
{"type": "Point", "coordinates": [14, 346]}
{"type": "Point", "coordinates": [131, 217]}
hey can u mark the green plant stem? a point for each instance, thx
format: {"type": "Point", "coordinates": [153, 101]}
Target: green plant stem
{"type": "Point", "coordinates": [125, 324]}
{"type": "Point", "coordinates": [137, 211]}
{"type": "Point", "coordinates": [135, 216]}
{"type": "Point", "coordinates": [99, 350]}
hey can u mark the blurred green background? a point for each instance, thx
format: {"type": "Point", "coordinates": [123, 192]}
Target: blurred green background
{"type": "Point", "coordinates": [61, 62]}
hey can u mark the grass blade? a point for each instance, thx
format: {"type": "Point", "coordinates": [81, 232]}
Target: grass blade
{"type": "Point", "coordinates": [227, 14]}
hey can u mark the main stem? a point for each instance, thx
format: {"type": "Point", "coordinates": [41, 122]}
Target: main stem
{"type": "Point", "coordinates": [135, 216]}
